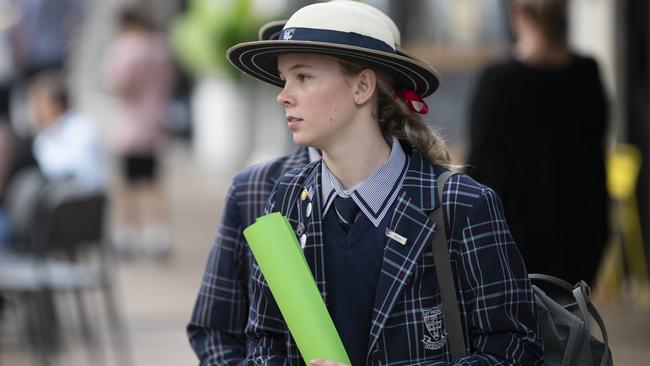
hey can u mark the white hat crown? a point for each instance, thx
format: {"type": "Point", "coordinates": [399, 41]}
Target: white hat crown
{"type": "Point", "coordinates": [337, 16]}
{"type": "Point", "coordinates": [272, 29]}
{"type": "Point", "coordinates": [397, 37]}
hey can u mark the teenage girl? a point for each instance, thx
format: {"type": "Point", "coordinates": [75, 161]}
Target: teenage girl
{"type": "Point", "coordinates": [361, 213]}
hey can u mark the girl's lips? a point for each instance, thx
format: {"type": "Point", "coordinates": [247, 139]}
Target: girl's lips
{"type": "Point", "coordinates": [293, 122]}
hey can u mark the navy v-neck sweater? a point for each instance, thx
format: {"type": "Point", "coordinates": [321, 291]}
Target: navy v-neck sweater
{"type": "Point", "coordinates": [352, 267]}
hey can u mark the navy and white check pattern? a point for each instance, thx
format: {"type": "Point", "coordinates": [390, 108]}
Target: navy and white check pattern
{"type": "Point", "coordinates": [375, 194]}
{"type": "Point", "coordinates": [496, 301]}
{"type": "Point", "coordinates": [216, 330]}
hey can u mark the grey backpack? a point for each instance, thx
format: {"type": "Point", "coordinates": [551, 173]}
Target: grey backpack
{"type": "Point", "coordinates": [567, 337]}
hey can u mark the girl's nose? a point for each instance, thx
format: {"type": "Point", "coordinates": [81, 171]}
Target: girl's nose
{"type": "Point", "coordinates": [284, 98]}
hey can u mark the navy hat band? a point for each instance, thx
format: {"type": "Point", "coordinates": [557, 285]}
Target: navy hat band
{"type": "Point", "coordinates": [336, 37]}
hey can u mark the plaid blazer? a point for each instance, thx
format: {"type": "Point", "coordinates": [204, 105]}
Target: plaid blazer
{"type": "Point", "coordinates": [495, 297]}
{"type": "Point", "coordinates": [216, 329]}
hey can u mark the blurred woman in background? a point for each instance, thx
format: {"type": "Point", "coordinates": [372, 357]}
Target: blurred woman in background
{"type": "Point", "coordinates": [538, 124]}
{"type": "Point", "coordinates": [139, 73]}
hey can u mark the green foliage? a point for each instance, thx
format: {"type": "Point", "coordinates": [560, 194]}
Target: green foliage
{"type": "Point", "coordinates": [202, 35]}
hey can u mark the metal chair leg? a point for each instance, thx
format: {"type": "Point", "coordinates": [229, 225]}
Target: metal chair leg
{"type": "Point", "coordinates": [117, 329]}
{"type": "Point", "coordinates": [38, 331]}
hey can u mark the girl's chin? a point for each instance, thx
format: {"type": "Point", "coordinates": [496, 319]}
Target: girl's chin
{"type": "Point", "coordinates": [299, 139]}
{"type": "Point", "coordinates": [302, 140]}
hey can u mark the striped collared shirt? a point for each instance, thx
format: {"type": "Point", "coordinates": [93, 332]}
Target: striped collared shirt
{"type": "Point", "coordinates": [375, 194]}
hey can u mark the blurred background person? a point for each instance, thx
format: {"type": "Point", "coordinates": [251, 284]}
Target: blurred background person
{"type": "Point", "coordinates": [67, 145]}
{"type": "Point", "coordinates": [139, 72]}
{"type": "Point", "coordinates": [45, 34]}
{"type": "Point", "coordinates": [537, 127]}
{"type": "Point", "coordinates": [42, 38]}
{"type": "Point", "coordinates": [70, 157]}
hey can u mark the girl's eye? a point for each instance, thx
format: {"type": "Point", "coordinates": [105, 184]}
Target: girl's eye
{"type": "Point", "coordinates": [303, 77]}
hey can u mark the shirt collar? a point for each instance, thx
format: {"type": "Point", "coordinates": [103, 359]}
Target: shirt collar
{"type": "Point", "coordinates": [314, 154]}
{"type": "Point", "coordinates": [375, 194]}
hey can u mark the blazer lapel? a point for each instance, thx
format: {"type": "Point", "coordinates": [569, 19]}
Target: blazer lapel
{"type": "Point", "coordinates": [309, 214]}
{"type": "Point", "coordinates": [410, 220]}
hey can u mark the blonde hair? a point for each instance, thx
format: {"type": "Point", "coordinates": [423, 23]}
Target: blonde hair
{"type": "Point", "coordinates": [396, 119]}
{"type": "Point", "coordinates": [549, 15]}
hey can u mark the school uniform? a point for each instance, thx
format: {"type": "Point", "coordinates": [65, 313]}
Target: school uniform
{"type": "Point", "coordinates": [383, 293]}
{"type": "Point", "coordinates": [216, 329]}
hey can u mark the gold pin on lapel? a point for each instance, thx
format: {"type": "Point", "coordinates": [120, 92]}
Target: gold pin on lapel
{"type": "Point", "coordinates": [303, 195]}
{"type": "Point", "coordinates": [395, 236]}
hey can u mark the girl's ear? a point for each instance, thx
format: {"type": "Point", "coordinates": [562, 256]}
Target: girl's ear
{"type": "Point", "coordinates": [364, 87]}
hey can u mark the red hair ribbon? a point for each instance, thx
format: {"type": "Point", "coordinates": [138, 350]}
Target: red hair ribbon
{"type": "Point", "coordinates": [413, 101]}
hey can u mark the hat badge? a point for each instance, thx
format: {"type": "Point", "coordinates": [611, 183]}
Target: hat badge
{"type": "Point", "coordinates": [287, 34]}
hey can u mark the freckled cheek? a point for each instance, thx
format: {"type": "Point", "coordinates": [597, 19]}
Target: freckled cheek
{"type": "Point", "coordinates": [333, 113]}
{"type": "Point", "coordinates": [326, 108]}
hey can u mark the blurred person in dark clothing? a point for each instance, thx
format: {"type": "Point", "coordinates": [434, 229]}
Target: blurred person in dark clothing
{"type": "Point", "coordinates": [538, 124]}
{"type": "Point", "coordinates": [138, 70]}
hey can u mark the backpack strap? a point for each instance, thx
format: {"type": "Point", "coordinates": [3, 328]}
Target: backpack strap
{"type": "Point", "coordinates": [582, 300]}
{"type": "Point", "coordinates": [445, 277]}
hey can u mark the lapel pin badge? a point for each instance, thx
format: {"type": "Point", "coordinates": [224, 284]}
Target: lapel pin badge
{"type": "Point", "coordinates": [303, 240]}
{"type": "Point", "coordinates": [300, 229]}
{"type": "Point", "coordinates": [303, 195]}
{"type": "Point", "coordinates": [395, 236]}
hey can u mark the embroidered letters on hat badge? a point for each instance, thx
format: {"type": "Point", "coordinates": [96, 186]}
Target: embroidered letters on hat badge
{"type": "Point", "coordinates": [434, 322]}
{"type": "Point", "coordinates": [287, 34]}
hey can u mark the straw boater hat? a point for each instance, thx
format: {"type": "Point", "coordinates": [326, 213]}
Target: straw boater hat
{"type": "Point", "coordinates": [338, 29]}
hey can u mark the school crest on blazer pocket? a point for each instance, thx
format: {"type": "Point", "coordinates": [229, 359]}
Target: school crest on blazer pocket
{"type": "Point", "coordinates": [433, 320]}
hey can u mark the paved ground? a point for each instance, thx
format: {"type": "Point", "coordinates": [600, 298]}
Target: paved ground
{"type": "Point", "coordinates": [156, 298]}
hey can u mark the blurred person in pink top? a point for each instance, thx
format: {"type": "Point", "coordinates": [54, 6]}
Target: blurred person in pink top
{"type": "Point", "coordinates": [138, 70]}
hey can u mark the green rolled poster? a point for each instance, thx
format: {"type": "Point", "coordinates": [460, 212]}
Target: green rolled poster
{"type": "Point", "coordinates": [292, 284]}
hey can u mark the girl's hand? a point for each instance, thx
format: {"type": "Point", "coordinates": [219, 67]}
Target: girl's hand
{"type": "Point", "coordinates": [326, 363]}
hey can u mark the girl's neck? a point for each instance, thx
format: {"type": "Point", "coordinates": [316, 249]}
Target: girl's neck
{"type": "Point", "coordinates": [354, 160]}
